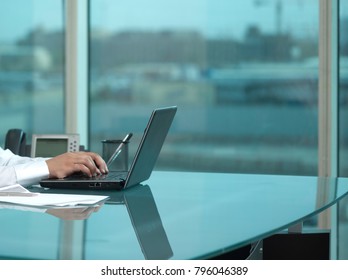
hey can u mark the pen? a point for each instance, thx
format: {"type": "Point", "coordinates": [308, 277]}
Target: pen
{"type": "Point", "coordinates": [18, 194]}
{"type": "Point", "coordinates": [119, 148]}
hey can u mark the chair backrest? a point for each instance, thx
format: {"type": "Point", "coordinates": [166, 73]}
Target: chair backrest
{"type": "Point", "coordinates": [15, 141]}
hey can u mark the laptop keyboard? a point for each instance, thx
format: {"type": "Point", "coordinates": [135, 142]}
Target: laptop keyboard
{"type": "Point", "coordinates": [115, 175]}
{"type": "Point", "coordinates": [109, 176]}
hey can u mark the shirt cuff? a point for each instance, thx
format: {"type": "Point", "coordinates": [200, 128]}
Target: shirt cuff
{"type": "Point", "coordinates": [31, 173]}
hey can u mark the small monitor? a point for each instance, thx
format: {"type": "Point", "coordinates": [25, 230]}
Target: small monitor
{"type": "Point", "coordinates": [50, 145]}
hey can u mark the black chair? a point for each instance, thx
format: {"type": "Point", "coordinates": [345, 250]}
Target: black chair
{"type": "Point", "coordinates": [15, 141]}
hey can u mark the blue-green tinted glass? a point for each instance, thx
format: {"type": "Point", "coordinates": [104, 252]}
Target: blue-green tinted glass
{"type": "Point", "coordinates": [31, 66]}
{"type": "Point", "coordinates": [185, 220]}
{"type": "Point", "coordinates": [244, 75]}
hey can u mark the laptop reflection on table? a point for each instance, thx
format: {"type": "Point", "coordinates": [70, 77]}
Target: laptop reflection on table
{"type": "Point", "coordinates": [144, 215]}
{"type": "Point", "coordinates": [146, 221]}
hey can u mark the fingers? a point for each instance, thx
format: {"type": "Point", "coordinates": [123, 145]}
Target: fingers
{"type": "Point", "coordinates": [90, 163]}
{"type": "Point", "coordinates": [87, 162]}
{"type": "Point", "coordinates": [99, 162]}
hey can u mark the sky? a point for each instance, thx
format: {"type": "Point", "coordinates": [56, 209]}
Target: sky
{"type": "Point", "coordinates": [214, 18]}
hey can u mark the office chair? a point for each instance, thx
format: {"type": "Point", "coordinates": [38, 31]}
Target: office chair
{"type": "Point", "coordinates": [15, 141]}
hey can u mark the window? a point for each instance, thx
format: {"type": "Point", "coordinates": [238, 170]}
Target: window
{"type": "Point", "coordinates": [31, 66]}
{"type": "Point", "coordinates": [244, 75]}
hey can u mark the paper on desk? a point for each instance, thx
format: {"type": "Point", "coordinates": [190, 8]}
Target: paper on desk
{"type": "Point", "coordinates": [50, 200]}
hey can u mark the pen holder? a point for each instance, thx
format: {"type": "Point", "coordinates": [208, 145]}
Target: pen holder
{"type": "Point", "coordinates": [121, 161]}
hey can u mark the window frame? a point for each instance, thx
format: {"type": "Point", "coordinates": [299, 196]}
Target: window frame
{"type": "Point", "coordinates": [328, 89]}
{"type": "Point", "coordinates": [76, 69]}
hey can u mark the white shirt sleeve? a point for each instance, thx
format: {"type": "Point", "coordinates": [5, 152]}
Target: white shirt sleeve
{"type": "Point", "coordinates": [22, 170]}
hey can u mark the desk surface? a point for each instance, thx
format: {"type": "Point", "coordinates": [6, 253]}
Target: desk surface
{"type": "Point", "coordinates": [175, 215]}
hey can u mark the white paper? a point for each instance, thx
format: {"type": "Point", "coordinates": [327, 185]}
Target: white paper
{"type": "Point", "coordinates": [49, 200]}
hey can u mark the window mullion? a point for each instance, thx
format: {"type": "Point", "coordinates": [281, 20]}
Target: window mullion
{"type": "Point", "coordinates": [76, 78]}
{"type": "Point", "coordinates": [328, 67]}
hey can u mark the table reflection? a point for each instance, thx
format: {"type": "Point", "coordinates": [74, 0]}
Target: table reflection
{"type": "Point", "coordinates": [64, 213]}
{"type": "Point", "coordinates": [143, 213]}
{"type": "Point", "coordinates": [147, 223]}
{"type": "Point", "coordinates": [146, 220]}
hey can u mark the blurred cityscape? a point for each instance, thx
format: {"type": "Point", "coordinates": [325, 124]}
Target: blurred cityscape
{"type": "Point", "coordinates": [253, 101]}
{"type": "Point", "coordinates": [255, 67]}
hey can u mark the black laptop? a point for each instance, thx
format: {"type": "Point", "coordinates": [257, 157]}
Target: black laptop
{"type": "Point", "coordinates": [143, 163]}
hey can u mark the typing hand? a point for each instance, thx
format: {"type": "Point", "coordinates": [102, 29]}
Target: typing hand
{"type": "Point", "coordinates": [66, 164]}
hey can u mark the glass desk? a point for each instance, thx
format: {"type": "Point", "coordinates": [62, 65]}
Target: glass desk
{"type": "Point", "coordinates": [174, 215]}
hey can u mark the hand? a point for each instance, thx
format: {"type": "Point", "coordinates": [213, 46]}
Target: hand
{"type": "Point", "coordinates": [77, 213]}
{"type": "Point", "coordinates": [65, 164]}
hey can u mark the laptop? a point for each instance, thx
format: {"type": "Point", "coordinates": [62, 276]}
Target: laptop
{"type": "Point", "coordinates": [141, 168]}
